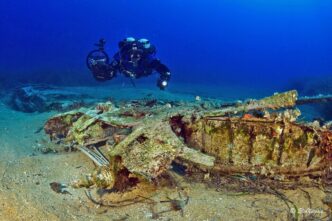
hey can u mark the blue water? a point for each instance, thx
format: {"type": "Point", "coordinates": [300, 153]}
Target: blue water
{"type": "Point", "coordinates": [242, 43]}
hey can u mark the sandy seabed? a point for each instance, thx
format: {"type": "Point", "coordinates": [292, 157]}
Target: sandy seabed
{"type": "Point", "coordinates": [25, 193]}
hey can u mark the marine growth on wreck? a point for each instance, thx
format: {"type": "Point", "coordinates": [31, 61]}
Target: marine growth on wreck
{"type": "Point", "coordinates": [139, 141]}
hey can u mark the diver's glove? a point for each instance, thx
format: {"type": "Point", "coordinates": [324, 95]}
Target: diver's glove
{"type": "Point", "coordinates": [162, 84]}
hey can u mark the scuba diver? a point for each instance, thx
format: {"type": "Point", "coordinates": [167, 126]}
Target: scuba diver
{"type": "Point", "coordinates": [135, 59]}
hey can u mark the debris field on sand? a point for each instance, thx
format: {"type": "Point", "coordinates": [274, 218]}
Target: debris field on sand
{"type": "Point", "coordinates": [138, 142]}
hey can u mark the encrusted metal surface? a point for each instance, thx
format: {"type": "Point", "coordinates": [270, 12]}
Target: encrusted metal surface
{"type": "Point", "coordinates": [146, 139]}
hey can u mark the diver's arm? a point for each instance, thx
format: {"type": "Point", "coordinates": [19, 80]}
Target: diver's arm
{"type": "Point", "coordinates": [164, 72]}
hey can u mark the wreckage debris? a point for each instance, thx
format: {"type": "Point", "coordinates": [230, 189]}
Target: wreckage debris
{"type": "Point", "coordinates": [42, 98]}
{"type": "Point", "coordinates": [230, 140]}
{"type": "Point", "coordinates": [177, 204]}
{"type": "Point", "coordinates": [59, 188]}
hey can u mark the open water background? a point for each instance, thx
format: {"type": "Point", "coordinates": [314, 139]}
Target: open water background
{"type": "Point", "coordinates": [276, 44]}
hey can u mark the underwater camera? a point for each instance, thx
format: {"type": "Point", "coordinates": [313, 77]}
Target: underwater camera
{"type": "Point", "coordinates": [97, 56]}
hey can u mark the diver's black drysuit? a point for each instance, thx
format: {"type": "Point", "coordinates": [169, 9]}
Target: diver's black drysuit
{"type": "Point", "coordinates": [135, 59]}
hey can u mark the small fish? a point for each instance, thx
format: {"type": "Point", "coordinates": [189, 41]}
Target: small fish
{"type": "Point", "coordinates": [39, 130]}
{"type": "Point", "coordinates": [59, 188]}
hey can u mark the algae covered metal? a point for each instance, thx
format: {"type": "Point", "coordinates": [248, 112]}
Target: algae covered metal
{"type": "Point", "coordinates": [140, 140]}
